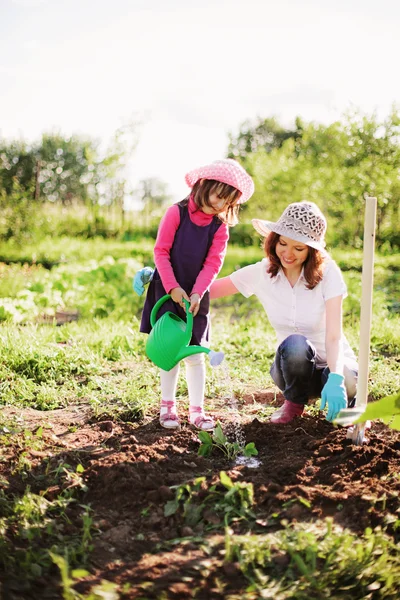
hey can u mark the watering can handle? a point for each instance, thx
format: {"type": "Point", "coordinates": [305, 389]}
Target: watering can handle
{"type": "Point", "coordinates": [161, 301]}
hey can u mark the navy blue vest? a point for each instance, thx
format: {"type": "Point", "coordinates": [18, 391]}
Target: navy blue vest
{"type": "Point", "coordinates": [188, 253]}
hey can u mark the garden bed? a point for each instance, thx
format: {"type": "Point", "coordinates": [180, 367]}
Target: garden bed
{"type": "Point", "coordinates": [309, 477]}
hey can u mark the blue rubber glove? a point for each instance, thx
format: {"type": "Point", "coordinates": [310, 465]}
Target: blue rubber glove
{"type": "Point", "coordinates": [334, 393]}
{"type": "Point", "coordinates": [142, 278]}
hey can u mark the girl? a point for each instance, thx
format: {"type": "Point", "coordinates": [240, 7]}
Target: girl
{"type": "Point", "coordinates": [301, 289]}
{"type": "Point", "coordinates": [189, 252]}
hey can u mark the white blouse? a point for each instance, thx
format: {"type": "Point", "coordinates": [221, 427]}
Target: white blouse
{"type": "Point", "coordinates": [296, 310]}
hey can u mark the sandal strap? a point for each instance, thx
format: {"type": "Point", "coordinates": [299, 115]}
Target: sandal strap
{"type": "Point", "coordinates": [201, 419]}
{"type": "Point", "coordinates": [167, 403]}
{"type": "Point", "coordinates": [170, 414]}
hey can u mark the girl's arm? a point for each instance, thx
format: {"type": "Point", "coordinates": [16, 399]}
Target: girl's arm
{"type": "Point", "coordinates": [213, 261]}
{"type": "Point", "coordinates": [162, 249]}
{"type": "Point", "coordinates": [333, 346]}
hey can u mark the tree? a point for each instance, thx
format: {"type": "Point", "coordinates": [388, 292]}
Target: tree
{"type": "Point", "coordinates": [264, 133]}
{"type": "Point", "coordinates": [17, 164]}
{"type": "Point", "coordinates": [152, 195]}
{"type": "Point", "coordinates": [67, 168]}
{"type": "Point", "coordinates": [335, 166]}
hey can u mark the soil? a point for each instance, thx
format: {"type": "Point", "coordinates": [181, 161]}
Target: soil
{"type": "Point", "coordinates": [129, 468]}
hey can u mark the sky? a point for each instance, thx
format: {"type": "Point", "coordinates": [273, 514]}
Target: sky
{"type": "Point", "coordinates": [191, 71]}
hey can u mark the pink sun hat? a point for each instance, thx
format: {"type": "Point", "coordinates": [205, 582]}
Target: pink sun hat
{"type": "Point", "coordinates": [225, 170]}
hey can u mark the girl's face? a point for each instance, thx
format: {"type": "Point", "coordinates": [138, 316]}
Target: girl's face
{"type": "Point", "coordinates": [217, 205]}
{"type": "Point", "coordinates": [292, 254]}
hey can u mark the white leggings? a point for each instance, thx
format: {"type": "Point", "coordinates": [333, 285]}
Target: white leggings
{"type": "Point", "coordinates": [195, 379]}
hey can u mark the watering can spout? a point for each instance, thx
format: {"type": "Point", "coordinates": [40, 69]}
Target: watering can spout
{"type": "Point", "coordinates": [190, 350]}
{"type": "Point", "coordinates": [216, 358]}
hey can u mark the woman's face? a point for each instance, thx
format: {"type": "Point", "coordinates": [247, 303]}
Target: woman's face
{"type": "Point", "coordinates": [292, 254]}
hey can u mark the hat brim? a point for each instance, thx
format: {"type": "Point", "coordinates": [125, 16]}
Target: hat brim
{"type": "Point", "coordinates": [264, 228]}
{"type": "Point", "coordinates": [234, 176]}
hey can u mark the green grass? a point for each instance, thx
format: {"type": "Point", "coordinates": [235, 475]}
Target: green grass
{"type": "Point", "coordinates": [46, 367]}
{"type": "Point", "coordinates": [51, 251]}
{"type": "Point", "coordinates": [313, 560]}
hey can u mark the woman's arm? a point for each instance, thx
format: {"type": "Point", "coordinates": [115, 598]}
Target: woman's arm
{"type": "Point", "coordinates": [222, 287]}
{"type": "Point", "coordinates": [334, 354]}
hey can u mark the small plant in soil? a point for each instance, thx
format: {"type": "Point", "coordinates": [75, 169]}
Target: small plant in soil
{"type": "Point", "coordinates": [222, 503]}
{"type": "Point", "coordinates": [219, 441]}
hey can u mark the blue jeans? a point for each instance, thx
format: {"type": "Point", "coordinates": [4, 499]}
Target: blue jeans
{"type": "Point", "coordinates": [296, 375]}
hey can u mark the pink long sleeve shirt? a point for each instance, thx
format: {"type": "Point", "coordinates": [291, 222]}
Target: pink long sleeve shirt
{"type": "Point", "coordinates": [165, 239]}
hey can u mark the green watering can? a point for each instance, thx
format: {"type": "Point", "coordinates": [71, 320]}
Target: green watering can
{"type": "Point", "coordinates": [168, 341]}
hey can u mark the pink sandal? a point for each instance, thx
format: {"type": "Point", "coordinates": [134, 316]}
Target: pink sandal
{"type": "Point", "coordinates": [201, 421]}
{"type": "Point", "coordinates": [169, 419]}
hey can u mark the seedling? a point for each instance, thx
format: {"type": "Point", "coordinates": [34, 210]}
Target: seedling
{"type": "Point", "coordinates": [226, 501]}
{"type": "Point", "coordinates": [219, 441]}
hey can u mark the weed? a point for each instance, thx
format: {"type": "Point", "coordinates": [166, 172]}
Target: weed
{"type": "Point", "coordinates": [103, 591]}
{"type": "Point", "coordinates": [32, 526]}
{"type": "Point", "coordinates": [223, 502]}
{"type": "Point", "coordinates": [304, 561]}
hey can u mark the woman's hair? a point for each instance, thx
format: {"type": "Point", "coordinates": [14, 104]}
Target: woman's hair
{"type": "Point", "coordinates": [313, 265]}
{"type": "Point", "coordinates": [201, 193]}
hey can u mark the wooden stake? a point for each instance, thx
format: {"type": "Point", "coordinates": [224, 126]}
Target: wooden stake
{"type": "Point", "coordinates": [366, 312]}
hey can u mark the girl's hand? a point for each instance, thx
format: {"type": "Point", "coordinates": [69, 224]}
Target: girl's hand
{"type": "Point", "coordinates": [142, 278]}
{"type": "Point", "coordinates": [178, 294]}
{"type": "Point", "coordinates": [194, 304]}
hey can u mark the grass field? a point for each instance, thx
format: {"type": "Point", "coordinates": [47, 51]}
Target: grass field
{"type": "Point", "coordinates": [94, 278]}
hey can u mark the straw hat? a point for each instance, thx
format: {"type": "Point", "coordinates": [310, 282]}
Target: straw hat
{"type": "Point", "coordinates": [227, 171]}
{"type": "Point", "coordinates": [300, 221]}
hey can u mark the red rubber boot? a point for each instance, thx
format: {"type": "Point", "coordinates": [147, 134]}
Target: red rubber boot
{"type": "Point", "coordinates": [287, 412]}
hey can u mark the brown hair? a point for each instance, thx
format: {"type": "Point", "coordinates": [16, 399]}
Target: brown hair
{"type": "Point", "coordinates": [201, 193]}
{"type": "Point", "coordinates": [313, 265]}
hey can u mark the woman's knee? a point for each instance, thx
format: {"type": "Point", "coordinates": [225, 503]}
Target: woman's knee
{"type": "Point", "coordinates": [296, 348]}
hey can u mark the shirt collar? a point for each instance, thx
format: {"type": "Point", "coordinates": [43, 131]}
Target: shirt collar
{"type": "Point", "coordinates": [197, 215]}
{"type": "Point", "coordinates": [280, 275]}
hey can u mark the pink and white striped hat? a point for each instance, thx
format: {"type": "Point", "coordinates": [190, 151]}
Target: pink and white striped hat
{"type": "Point", "coordinates": [227, 171]}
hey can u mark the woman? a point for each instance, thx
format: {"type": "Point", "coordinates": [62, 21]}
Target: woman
{"type": "Point", "coordinates": [301, 289]}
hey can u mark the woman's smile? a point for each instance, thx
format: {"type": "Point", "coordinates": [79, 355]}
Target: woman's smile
{"type": "Point", "coordinates": [292, 254]}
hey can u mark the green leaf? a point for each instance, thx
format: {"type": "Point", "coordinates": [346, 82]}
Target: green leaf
{"type": "Point", "coordinates": [305, 502]}
{"type": "Point", "coordinates": [250, 449]}
{"type": "Point", "coordinates": [205, 450]}
{"type": "Point", "coordinates": [395, 424]}
{"type": "Point", "coordinates": [225, 480]}
{"type": "Point", "coordinates": [205, 437]}
{"type": "Point", "coordinates": [219, 436]}
{"type": "Point", "coordinates": [390, 405]}
{"type": "Point", "coordinates": [384, 409]}
{"type": "Point", "coordinates": [79, 573]}
{"type": "Point", "coordinates": [170, 508]}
